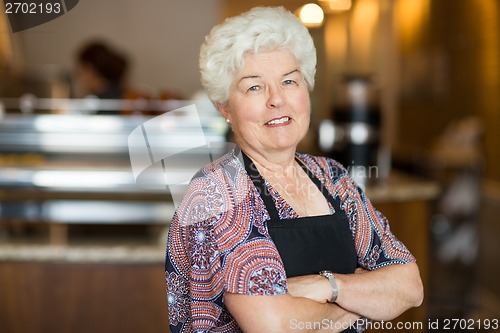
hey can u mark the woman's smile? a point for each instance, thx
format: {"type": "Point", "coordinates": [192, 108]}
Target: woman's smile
{"type": "Point", "coordinates": [277, 122]}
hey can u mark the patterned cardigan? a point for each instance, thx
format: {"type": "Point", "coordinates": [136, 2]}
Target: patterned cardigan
{"type": "Point", "coordinates": [218, 240]}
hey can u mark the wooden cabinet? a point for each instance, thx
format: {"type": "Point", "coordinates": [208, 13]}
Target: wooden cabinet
{"type": "Point", "coordinates": [51, 297]}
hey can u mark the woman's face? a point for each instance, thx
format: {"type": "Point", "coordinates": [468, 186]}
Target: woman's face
{"type": "Point", "coordinates": [269, 107]}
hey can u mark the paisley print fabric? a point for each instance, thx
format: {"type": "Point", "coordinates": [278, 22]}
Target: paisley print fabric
{"type": "Point", "coordinates": [218, 240]}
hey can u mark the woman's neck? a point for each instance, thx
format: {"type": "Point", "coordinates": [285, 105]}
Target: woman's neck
{"type": "Point", "coordinates": [280, 163]}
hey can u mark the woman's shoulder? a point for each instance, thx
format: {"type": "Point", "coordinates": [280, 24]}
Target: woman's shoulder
{"type": "Point", "coordinates": [208, 192]}
{"type": "Point", "coordinates": [221, 177]}
{"type": "Point", "coordinates": [221, 168]}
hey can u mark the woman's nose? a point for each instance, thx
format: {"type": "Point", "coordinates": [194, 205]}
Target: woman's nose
{"type": "Point", "coordinates": [275, 98]}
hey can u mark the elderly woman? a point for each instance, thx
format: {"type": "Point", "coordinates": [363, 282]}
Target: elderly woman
{"type": "Point", "coordinates": [268, 239]}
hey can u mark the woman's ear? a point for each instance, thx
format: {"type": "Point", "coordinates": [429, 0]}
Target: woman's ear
{"type": "Point", "coordinates": [223, 109]}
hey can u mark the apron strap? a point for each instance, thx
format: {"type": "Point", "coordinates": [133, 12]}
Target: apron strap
{"type": "Point", "coordinates": [334, 202]}
{"type": "Point", "coordinates": [260, 184]}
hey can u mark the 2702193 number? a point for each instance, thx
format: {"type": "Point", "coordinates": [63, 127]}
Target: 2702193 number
{"type": "Point", "coordinates": [32, 8]}
{"type": "Point", "coordinates": [470, 324]}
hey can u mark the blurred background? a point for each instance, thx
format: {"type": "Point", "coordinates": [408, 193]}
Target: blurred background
{"type": "Point", "coordinates": [406, 98]}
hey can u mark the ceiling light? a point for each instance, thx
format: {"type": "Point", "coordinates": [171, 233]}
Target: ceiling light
{"type": "Point", "coordinates": [336, 5]}
{"type": "Point", "coordinates": [311, 15]}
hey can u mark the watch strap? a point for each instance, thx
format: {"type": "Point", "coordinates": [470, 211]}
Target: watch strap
{"type": "Point", "coordinates": [331, 278]}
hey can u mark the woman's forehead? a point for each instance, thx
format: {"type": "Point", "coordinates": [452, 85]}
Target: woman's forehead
{"type": "Point", "coordinates": [279, 61]}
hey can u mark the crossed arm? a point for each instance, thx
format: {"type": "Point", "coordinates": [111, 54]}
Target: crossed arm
{"type": "Point", "coordinates": [382, 294]}
{"type": "Point", "coordinates": [277, 314]}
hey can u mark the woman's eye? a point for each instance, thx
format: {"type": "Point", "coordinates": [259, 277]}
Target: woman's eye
{"type": "Point", "coordinates": [253, 88]}
{"type": "Point", "coordinates": [288, 82]}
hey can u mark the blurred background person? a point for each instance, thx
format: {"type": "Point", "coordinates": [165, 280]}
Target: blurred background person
{"type": "Point", "coordinates": [101, 71]}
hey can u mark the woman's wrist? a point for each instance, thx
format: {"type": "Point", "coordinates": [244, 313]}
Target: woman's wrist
{"type": "Point", "coordinates": [326, 289]}
{"type": "Point", "coordinates": [334, 291]}
{"type": "Point", "coordinates": [340, 279]}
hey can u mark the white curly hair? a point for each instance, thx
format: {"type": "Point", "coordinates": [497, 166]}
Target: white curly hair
{"type": "Point", "coordinates": [260, 29]}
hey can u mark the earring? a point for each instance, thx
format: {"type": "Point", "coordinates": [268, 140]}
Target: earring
{"type": "Point", "coordinates": [228, 122]}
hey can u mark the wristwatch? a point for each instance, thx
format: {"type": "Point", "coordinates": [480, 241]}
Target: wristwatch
{"type": "Point", "coordinates": [335, 291]}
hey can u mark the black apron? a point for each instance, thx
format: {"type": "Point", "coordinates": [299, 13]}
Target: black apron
{"type": "Point", "coordinates": [308, 245]}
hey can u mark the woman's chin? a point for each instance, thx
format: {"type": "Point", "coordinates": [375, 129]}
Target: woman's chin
{"type": "Point", "coordinates": [284, 145]}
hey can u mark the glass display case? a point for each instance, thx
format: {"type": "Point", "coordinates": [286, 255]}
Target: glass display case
{"type": "Point", "coordinates": [58, 170]}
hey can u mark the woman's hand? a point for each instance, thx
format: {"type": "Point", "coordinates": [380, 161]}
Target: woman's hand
{"type": "Point", "coordinates": [314, 287]}
{"type": "Point", "coordinates": [381, 294]}
{"type": "Point", "coordinates": [284, 313]}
